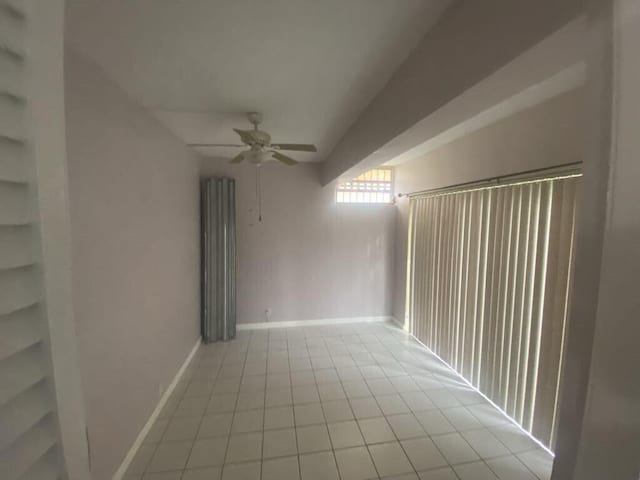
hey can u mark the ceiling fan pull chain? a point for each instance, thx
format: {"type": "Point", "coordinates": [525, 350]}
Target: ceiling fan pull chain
{"type": "Point", "coordinates": [259, 193]}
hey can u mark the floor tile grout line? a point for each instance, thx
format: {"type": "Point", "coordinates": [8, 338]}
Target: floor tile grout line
{"type": "Point", "coordinates": [264, 402]}
{"type": "Point", "coordinates": [295, 430]}
{"type": "Point", "coordinates": [214, 381]}
{"type": "Point", "coordinates": [366, 445]}
{"type": "Point", "coordinates": [394, 433]}
{"type": "Point", "coordinates": [233, 416]}
{"type": "Point", "coordinates": [484, 427]}
{"type": "Point", "coordinates": [428, 436]}
{"type": "Point", "coordinates": [464, 382]}
{"type": "Point", "coordinates": [399, 441]}
{"type": "Point", "coordinates": [481, 459]}
{"type": "Point", "coordinates": [333, 450]}
{"type": "Point", "coordinates": [333, 346]}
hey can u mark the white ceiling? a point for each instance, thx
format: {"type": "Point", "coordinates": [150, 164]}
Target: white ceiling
{"type": "Point", "coordinates": [310, 66]}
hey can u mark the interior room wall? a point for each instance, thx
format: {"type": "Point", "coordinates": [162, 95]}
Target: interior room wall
{"type": "Point", "coordinates": [134, 205]}
{"type": "Point", "coordinates": [599, 419]}
{"type": "Point", "coordinates": [546, 135]}
{"type": "Point", "coordinates": [309, 258]}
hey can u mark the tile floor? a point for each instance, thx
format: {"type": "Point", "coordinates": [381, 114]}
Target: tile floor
{"type": "Point", "coordinates": [349, 402]}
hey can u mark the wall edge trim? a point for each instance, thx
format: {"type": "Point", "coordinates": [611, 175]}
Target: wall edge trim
{"type": "Point", "coordinates": [313, 323]}
{"type": "Point", "coordinates": [122, 469]}
{"type": "Point", "coordinates": [399, 324]}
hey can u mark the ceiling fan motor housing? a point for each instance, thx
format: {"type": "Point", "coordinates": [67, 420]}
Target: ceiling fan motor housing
{"type": "Point", "coordinates": [261, 138]}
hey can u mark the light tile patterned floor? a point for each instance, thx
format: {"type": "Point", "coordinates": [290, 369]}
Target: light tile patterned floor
{"type": "Point", "coordinates": [349, 402]}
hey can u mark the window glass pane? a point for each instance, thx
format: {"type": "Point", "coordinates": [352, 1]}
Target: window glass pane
{"type": "Point", "coordinates": [373, 186]}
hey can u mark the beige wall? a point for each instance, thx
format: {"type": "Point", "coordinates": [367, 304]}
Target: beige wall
{"type": "Point", "coordinates": [599, 433]}
{"type": "Point", "coordinates": [309, 258]}
{"type": "Point", "coordinates": [610, 440]}
{"type": "Point", "coordinates": [546, 135]}
{"type": "Point", "coordinates": [134, 219]}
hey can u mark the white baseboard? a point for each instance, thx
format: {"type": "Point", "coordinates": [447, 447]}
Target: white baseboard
{"type": "Point", "coordinates": [312, 323]}
{"type": "Point", "coordinates": [122, 469]}
{"type": "Point", "coordinates": [398, 323]}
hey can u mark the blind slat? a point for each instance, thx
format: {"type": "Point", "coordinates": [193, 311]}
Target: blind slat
{"type": "Point", "coordinates": [539, 298]}
{"type": "Point", "coordinates": [473, 285]}
{"type": "Point", "coordinates": [520, 314]}
{"type": "Point", "coordinates": [514, 295]}
{"type": "Point", "coordinates": [494, 295]}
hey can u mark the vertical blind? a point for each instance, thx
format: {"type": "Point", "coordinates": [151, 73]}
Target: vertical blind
{"type": "Point", "coordinates": [488, 287]}
{"type": "Point", "coordinates": [29, 435]}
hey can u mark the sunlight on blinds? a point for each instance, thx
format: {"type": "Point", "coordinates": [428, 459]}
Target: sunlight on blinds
{"type": "Point", "coordinates": [374, 186]}
{"type": "Point", "coordinates": [489, 285]}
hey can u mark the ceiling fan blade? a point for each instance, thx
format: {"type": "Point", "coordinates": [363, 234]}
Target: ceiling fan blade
{"type": "Point", "coordinates": [238, 158]}
{"type": "Point", "coordinates": [236, 145]}
{"type": "Point", "coordinates": [295, 147]}
{"type": "Point", "coordinates": [284, 159]}
{"type": "Point", "coordinates": [245, 135]}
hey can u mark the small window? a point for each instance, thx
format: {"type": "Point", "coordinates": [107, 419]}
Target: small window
{"type": "Point", "coordinates": [374, 186]}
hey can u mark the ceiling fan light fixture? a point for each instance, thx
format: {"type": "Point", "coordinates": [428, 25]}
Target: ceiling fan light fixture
{"type": "Point", "coordinates": [257, 156]}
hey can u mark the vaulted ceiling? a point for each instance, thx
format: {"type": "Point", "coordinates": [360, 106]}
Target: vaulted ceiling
{"type": "Point", "coordinates": [310, 67]}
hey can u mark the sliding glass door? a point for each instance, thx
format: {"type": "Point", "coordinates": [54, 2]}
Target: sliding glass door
{"type": "Point", "coordinates": [488, 288]}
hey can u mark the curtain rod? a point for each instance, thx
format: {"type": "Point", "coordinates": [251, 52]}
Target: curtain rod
{"type": "Point", "coordinates": [490, 180]}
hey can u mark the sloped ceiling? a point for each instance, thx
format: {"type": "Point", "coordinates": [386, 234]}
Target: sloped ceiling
{"type": "Point", "coordinates": [310, 67]}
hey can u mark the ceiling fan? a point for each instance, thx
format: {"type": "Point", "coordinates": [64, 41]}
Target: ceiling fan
{"type": "Point", "coordinates": [260, 146]}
